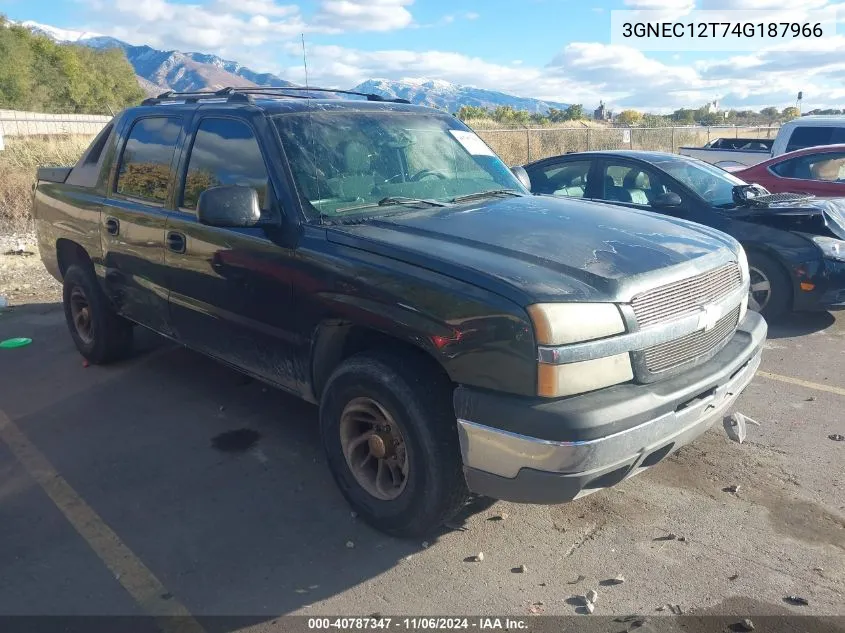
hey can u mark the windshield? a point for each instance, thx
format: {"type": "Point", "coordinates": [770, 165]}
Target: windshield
{"type": "Point", "coordinates": [375, 163]}
{"type": "Point", "coordinates": [711, 183]}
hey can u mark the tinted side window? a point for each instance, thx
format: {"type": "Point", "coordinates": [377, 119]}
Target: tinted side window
{"type": "Point", "coordinates": [630, 183]}
{"type": "Point", "coordinates": [224, 152]}
{"type": "Point", "coordinates": [96, 149]}
{"type": "Point", "coordinates": [829, 167]}
{"type": "Point", "coordinates": [567, 179]}
{"type": "Point", "coordinates": [811, 136]}
{"type": "Point", "coordinates": [145, 164]}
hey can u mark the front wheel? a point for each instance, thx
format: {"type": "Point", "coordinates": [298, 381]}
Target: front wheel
{"type": "Point", "coordinates": [390, 436]}
{"type": "Point", "coordinates": [770, 290]}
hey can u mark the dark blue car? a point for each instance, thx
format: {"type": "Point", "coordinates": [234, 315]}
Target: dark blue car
{"type": "Point", "coordinates": [795, 243]}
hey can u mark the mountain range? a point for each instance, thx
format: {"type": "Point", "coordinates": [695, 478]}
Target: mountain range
{"type": "Point", "coordinates": [158, 71]}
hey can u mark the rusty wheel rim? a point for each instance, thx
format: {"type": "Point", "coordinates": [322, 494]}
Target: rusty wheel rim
{"type": "Point", "coordinates": [80, 312]}
{"type": "Point", "coordinates": [374, 448]}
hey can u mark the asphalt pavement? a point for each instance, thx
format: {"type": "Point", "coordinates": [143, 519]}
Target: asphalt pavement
{"type": "Point", "coordinates": [169, 484]}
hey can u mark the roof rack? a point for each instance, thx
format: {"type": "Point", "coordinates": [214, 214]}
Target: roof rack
{"type": "Point", "coordinates": [244, 94]}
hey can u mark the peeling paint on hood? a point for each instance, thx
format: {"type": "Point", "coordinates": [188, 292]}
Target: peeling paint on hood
{"type": "Point", "coordinates": [547, 246]}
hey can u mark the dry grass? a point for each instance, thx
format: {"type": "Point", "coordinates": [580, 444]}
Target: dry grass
{"type": "Point", "coordinates": [18, 164]}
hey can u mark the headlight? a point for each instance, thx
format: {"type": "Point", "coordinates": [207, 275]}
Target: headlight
{"type": "Point", "coordinates": [830, 247]}
{"type": "Point", "coordinates": [562, 323]}
{"type": "Point", "coordinates": [556, 381]}
{"type": "Point", "coordinates": [565, 323]}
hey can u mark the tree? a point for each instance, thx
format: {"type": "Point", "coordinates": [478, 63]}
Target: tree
{"type": "Point", "coordinates": [557, 116]}
{"type": "Point", "coordinates": [770, 113]}
{"type": "Point", "coordinates": [629, 117]}
{"type": "Point", "coordinates": [684, 115]}
{"type": "Point", "coordinates": [790, 113]}
{"type": "Point", "coordinates": [468, 112]}
{"type": "Point", "coordinates": [36, 73]}
{"type": "Point", "coordinates": [575, 112]}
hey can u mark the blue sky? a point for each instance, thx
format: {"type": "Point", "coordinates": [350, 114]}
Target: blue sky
{"type": "Point", "coordinates": [553, 49]}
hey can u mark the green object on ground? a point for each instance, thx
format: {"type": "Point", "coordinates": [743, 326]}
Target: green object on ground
{"type": "Point", "coordinates": [10, 343]}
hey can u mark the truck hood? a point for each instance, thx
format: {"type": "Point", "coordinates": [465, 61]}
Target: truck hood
{"type": "Point", "coordinates": [545, 248]}
{"type": "Point", "coordinates": [822, 216]}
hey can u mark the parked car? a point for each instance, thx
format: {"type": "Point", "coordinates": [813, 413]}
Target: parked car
{"type": "Point", "coordinates": [800, 133]}
{"type": "Point", "coordinates": [378, 259]}
{"type": "Point", "coordinates": [795, 243]}
{"type": "Point", "coordinates": [819, 171]}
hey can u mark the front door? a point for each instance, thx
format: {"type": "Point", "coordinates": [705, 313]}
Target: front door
{"type": "Point", "coordinates": [230, 289]}
{"type": "Point", "coordinates": [134, 217]}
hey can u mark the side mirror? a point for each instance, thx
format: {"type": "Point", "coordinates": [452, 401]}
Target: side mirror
{"type": "Point", "coordinates": [229, 206]}
{"type": "Point", "coordinates": [668, 200]}
{"type": "Point", "coordinates": [522, 176]}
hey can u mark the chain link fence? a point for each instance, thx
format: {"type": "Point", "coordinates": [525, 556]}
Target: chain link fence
{"type": "Point", "coordinates": [522, 145]}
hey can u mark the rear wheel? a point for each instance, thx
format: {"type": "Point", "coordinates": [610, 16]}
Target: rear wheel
{"type": "Point", "coordinates": [770, 291]}
{"type": "Point", "coordinates": [100, 335]}
{"type": "Point", "coordinates": [390, 436]}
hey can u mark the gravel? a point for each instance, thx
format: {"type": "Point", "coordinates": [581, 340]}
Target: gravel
{"type": "Point", "coordinates": [23, 278]}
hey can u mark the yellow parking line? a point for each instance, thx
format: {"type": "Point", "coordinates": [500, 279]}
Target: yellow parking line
{"type": "Point", "coordinates": [839, 391]}
{"type": "Point", "coordinates": [152, 596]}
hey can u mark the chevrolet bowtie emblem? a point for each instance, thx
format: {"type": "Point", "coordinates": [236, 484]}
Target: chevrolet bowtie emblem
{"type": "Point", "coordinates": [709, 316]}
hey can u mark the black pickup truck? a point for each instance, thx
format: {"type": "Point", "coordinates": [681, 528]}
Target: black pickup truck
{"type": "Point", "coordinates": [376, 258]}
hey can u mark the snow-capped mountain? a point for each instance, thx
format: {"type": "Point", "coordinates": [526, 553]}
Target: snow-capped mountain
{"type": "Point", "coordinates": [159, 70]}
{"type": "Point", "coordinates": [448, 96]}
{"type": "Point", "coordinates": [60, 35]}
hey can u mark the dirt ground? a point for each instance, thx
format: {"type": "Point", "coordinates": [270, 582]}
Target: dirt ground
{"type": "Point", "coordinates": [118, 497]}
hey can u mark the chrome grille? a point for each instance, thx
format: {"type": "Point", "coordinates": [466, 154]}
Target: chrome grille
{"type": "Point", "coordinates": [685, 296]}
{"type": "Point", "coordinates": [673, 353]}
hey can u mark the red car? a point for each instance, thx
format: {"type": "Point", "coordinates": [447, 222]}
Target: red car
{"type": "Point", "coordinates": [816, 170]}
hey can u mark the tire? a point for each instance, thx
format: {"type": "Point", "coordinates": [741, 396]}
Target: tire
{"type": "Point", "coordinates": [765, 270]}
{"type": "Point", "coordinates": [100, 335]}
{"type": "Point", "coordinates": [410, 396]}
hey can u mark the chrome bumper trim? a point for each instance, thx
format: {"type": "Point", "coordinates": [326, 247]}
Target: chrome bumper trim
{"type": "Point", "coordinates": [505, 453]}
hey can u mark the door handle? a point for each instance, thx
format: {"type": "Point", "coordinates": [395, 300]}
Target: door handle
{"type": "Point", "coordinates": [112, 226]}
{"type": "Point", "coordinates": [176, 242]}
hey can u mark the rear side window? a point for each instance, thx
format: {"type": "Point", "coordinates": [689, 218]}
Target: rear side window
{"type": "Point", "coordinates": [87, 170]}
{"type": "Point", "coordinates": [145, 163]}
{"type": "Point", "coordinates": [225, 152]}
{"type": "Point", "coordinates": [808, 136]}
{"type": "Point", "coordinates": [829, 166]}
{"type": "Point", "coordinates": [567, 179]}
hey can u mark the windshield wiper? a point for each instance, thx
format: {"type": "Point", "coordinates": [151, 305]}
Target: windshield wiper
{"type": "Point", "coordinates": [484, 194]}
{"type": "Point", "coordinates": [393, 200]}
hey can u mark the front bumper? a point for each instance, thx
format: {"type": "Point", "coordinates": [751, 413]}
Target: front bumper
{"type": "Point", "coordinates": [536, 451]}
{"type": "Point", "coordinates": [829, 291]}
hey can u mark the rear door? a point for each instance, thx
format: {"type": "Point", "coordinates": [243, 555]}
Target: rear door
{"type": "Point", "coordinates": [134, 216]}
{"type": "Point", "coordinates": [230, 288]}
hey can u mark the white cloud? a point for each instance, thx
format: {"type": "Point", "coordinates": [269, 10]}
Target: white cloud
{"type": "Point", "coordinates": [363, 15]}
{"type": "Point", "coordinates": [258, 7]}
{"type": "Point", "coordinates": [224, 27]}
{"type": "Point", "coordinates": [335, 66]}
{"type": "Point", "coordinates": [664, 9]}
